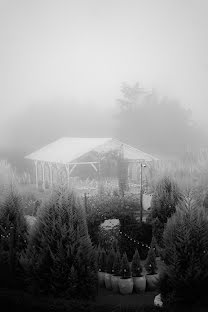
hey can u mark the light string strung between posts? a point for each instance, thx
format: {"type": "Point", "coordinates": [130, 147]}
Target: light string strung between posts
{"type": "Point", "coordinates": [130, 238]}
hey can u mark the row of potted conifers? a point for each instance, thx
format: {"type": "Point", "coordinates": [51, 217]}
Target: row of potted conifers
{"type": "Point", "coordinates": [118, 275]}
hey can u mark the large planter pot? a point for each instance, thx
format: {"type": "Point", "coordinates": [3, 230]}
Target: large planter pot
{"type": "Point", "coordinates": [152, 281]}
{"type": "Point", "coordinates": [139, 283]}
{"type": "Point", "coordinates": [114, 283]}
{"type": "Point", "coordinates": [126, 285]}
{"type": "Point", "coordinates": [108, 281]}
{"type": "Point", "coordinates": [101, 279]}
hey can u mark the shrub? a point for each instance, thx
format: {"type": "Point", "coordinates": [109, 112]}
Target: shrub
{"type": "Point", "coordinates": [164, 201]}
{"type": "Point", "coordinates": [110, 261]}
{"type": "Point", "coordinates": [150, 264]}
{"type": "Point", "coordinates": [102, 261]}
{"type": "Point", "coordinates": [13, 239]}
{"type": "Point", "coordinates": [125, 267]}
{"type": "Point", "coordinates": [141, 232]}
{"type": "Point", "coordinates": [136, 266]}
{"type": "Point", "coordinates": [60, 257]}
{"type": "Point", "coordinates": [186, 255]}
{"type": "Point", "coordinates": [117, 264]}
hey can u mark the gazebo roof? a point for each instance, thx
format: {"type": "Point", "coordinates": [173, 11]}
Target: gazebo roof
{"type": "Point", "coordinates": [68, 149]}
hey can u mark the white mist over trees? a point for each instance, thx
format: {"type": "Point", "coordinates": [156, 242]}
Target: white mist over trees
{"type": "Point", "coordinates": [156, 124]}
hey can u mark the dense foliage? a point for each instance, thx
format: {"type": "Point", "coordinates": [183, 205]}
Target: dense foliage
{"type": "Point", "coordinates": [150, 264]}
{"type": "Point", "coordinates": [164, 202]}
{"type": "Point", "coordinates": [103, 207]}
{"type": "Point", "coordinates": [140, 234]}
{"type": "Point", "coordinates": [186, 256]}
{"type": "Point", "coordinates": [13, 239]}
{"type": "Point", "coordinates": [102, 261]}
{"type": "Point", "coordinates": [125, 267]}
{"type": "Point", "coordinates": [142, 114]}
{"type": "Point", "coordinates": [110, 261]}
{"type": "Point", "coordinates": [117, 264]}
{"type": "Point", "coordinates": [60, 257]}
{"type": "Point", "coordinates": [136, 266]}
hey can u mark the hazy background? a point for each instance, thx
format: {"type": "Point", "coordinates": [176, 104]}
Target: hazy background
{"type": "Point", "coordinates": [62, 65]}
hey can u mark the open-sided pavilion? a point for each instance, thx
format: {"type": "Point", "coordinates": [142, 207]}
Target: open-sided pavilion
{"type": "Point", "coordinates": [69, 152]}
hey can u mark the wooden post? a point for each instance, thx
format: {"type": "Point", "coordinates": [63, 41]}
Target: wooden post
{"type": "Point", "coordinates": [36, 173]}
{"type": "Point", "coordinates": [141, 194]}
{"type": "Point", "coordinates": [43, 174]}
{"type": "Point", "coordinates": [51, 174]}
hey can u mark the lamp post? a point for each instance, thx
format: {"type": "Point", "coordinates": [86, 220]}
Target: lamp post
{"type": "Point", "coordinates": [141, 193]}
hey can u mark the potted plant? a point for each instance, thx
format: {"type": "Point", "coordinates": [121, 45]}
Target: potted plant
{"type": "Point", "coordinates": [125, 282]}
{"type": "Point", "coordinates": [151, 267]}
{"type": "Point", "coordinates": [116, 272]}
{"type": "Point", "coordinates": [109, 267]}
{"type": "Point", "coordinates": [101, 267]}
{"type": "Point", "coordinates": [138, 279]}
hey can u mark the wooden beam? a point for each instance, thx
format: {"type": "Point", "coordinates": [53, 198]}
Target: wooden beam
{"type": "Point", "coordinates": [83, 163]}
{"type": "Point", "coordinates": [94, 167]}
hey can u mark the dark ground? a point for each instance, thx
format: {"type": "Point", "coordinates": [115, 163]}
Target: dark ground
{"type": "Point", "coordinates": [108, 297]}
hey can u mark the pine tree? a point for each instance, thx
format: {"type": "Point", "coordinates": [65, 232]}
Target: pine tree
{"type": "Point", "coordinates": [110, 261]}
{"type": "Point", "coordinates": [13, 239]}
{"type": "Point", "coordinates": [136, 266]}
{"type": "Point", "coordinates": [150, 264]}
{"type": "Point", "coordinates": [186, 255]}
{"type": "Point", "coordinates": [164, 202]}
{"type": "Point", "coordinates": [102, 261]}
{"type": "Point", "coordinates": [61, 240]}
{"type": "Point", "coordinates": [125, 267]}
{"type": "Point", "coordinates": [117, 264]}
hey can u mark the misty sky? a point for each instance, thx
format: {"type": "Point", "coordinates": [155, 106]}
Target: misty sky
{"type": "Point", "coordinates": [81, 51]}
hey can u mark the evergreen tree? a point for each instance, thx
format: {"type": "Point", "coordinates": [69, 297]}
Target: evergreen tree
{"type": "Point", "coordinates": [150, 264]}
{"type": "Point", "coordinates": [164, 202]}
{"type": "Point", "coordinates": [13, 239]}
{"type": "Point", "coordinates": [136, 266]}
{"type": "Point", "coordinates": [117, 264]}
{"type": "Point", "coordinates": [110, 261]}
{"type": "Point", "coordinates": [186, 255]}
{"type": "Point", "coordinates": [59, 245]}
{"type": "Point", "coordinates": [102, 261]}
{"type": "Point", "coordinates": [125, 267]}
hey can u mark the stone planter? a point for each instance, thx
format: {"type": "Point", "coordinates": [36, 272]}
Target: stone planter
{"type": "Point", "coordinates": [101, 279]}
{"type": "Point", "coordinates": [108, 281]}
{"type": "Point", "coordinates": [126, 285]}
{"type": "Point", "coordinates": [114, 283]}
{"type": "Point", "coordinates": [152, 281]}
{"type": "Point", "coordinates": [139, 283]}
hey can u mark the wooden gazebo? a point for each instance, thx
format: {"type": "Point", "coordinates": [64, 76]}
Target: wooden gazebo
{"type": "Point", "coordinates": [69, 152]}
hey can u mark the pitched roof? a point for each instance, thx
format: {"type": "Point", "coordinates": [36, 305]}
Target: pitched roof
{"type": "Point", "coordinates": [67, 149]}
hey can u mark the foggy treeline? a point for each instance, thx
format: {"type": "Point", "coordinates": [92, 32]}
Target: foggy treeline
{"type": "Point", "coordinates": [143, 119]}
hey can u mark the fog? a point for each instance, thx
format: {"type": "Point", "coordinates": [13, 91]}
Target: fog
{"type": "Point", "coordinates": [62, 65]}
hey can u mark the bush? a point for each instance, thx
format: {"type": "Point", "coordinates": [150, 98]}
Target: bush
{"type": "Point", "coordinates": [164, 202]}
{"type": "Point", "coordinates": [117, 264]}
{"type": "Point", "coordinates": [186, 255]}
{"type": "Point", "coordinates": [110, 261]}
{"type": "Point", "coordinates": [150, 264]}
{"type": "Point", "coordinates": [60, 257]}
{"type": "Point", "coordinates": [136, 266]}
{"type": "Point", "coordinates": [102, 261]}
{"type": "Point", "coordinates": [125, 267]}
{"type": "Point", "coordinates": [13, 240]}
{"type": "Point", "coordinates": [141, 232]}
